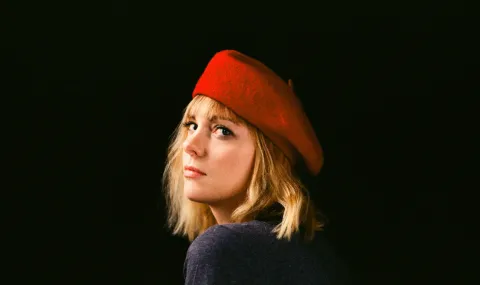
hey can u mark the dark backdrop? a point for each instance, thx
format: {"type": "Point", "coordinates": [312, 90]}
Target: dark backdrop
{"type": "Point", "coordinates": [106, 91]}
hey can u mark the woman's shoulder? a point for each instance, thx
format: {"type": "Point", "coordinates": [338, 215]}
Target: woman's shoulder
{"type": "Point", "coordinates": [224, 252]}
{"type": "Point", "coordinates": [234, 245]}
{"type": "Point", "coordinates": [235, 231]}
{"type": "Point", "coordinates": [230, 238]}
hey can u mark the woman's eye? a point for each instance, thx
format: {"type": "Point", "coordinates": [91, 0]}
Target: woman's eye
{"type": "Point", "coordinates": [190, 125]}
{"type": "Point", "coordinates": [220, 130]}
{"type": "Point", "coordinates": [224, 131]}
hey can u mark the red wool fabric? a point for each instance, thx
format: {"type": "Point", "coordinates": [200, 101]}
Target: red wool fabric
{"type": "Point", "coordinates": [261, 97]}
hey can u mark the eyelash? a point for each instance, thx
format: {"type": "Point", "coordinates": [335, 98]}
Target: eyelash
{"type": "Point", "coordinates": [230, 133]}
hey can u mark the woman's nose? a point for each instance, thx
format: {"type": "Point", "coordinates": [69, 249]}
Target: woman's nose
{"type": "Point", "coordinates": [193, 145]}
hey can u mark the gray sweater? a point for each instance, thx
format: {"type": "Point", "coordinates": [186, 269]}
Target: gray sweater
{"type": "Point", "coordinates": [248, 253]}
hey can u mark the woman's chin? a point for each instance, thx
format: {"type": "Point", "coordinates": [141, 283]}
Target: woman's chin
{"type": "Point", "coordinates": [193, 195]}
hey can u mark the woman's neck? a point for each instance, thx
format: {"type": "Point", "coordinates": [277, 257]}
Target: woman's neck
{"type": "Point", "coordinates": [223, 211]}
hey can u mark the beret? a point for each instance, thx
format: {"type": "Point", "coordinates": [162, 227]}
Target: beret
{"type": "Point", "coordinates": [257, 94]}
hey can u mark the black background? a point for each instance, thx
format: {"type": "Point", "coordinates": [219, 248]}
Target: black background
{"type": "Point", "coordinates": [106, 87]}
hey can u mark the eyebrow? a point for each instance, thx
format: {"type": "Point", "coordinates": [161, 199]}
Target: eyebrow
{"type": "Point", "coordinates": [214, 119]}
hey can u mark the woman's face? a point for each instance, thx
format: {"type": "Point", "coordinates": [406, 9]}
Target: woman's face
{"type": "Point", "coordinates": [224, 153]}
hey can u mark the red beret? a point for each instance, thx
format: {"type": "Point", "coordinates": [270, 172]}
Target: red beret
{"type": "Point", "coordinates": [261, 97]}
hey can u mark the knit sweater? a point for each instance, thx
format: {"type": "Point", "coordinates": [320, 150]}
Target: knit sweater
{"type": "Point", "coordinates": [249, 253]}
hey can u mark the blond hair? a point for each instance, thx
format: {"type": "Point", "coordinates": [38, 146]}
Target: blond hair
{"type": "Point", "coordinates": [272, 180]}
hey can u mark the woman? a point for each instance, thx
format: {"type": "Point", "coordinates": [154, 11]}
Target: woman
{"type": "Point", "coordinates": [233, 185]}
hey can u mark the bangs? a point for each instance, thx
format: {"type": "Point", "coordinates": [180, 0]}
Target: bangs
{"type": "Point", "coordinates": [206, 107]}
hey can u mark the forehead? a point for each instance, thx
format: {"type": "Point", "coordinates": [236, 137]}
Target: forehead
{"type": "Point", "coordinates": [211, 110]}
{"type": "Point", "coordinates": [211, 118]}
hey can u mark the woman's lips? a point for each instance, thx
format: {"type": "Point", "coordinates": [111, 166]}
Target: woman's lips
{"type": "Point", "coordinates": [192, 172]}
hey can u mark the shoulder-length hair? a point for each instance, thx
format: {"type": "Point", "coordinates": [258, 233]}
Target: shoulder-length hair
{"type": "Point", "coordinates": [272, 180]}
